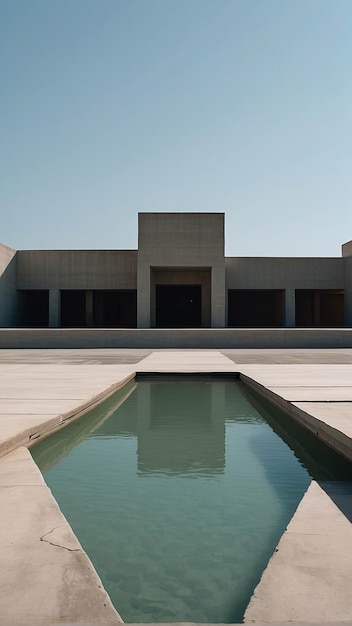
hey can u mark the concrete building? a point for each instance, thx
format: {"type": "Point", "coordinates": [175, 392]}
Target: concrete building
{"type": "Point", "coordinates": [178, 278]}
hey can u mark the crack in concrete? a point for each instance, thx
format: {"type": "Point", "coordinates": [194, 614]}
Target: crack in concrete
{"type": "Point", "coordinates": [57, 545]}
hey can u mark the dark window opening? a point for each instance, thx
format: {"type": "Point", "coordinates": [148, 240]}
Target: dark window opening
{"type": "Point", "coordinates": [115, 309]}
{"type": "Point", "coordinates": [178, 306]}
{"type": "Point", "coordinates": [259, 308]}
{"type": "Point", "coordinates": [34, 307]}
{"type": "Point", "coordinates": [73, 309]}
{"type": "Point", "coordinates": [319, 307]}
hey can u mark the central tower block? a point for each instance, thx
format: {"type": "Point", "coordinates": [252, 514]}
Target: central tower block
{"type": "Point", "coordinates": [181, 270]}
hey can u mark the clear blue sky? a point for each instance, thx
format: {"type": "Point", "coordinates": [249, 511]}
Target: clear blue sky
{"type": "Point", "coordinates": [110, 107]}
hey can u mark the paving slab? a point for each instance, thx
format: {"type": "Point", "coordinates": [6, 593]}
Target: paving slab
{"type": "Point", "coordinates": [14, 429]}
{"type": "Point", "coordinates": [38, 406]}
{"type": "Point", "coordinates": [69, 373]}
{"type": "Point", "coordinates": [338, 415]}
{"type": "Point", "coordinates": [328, 375]}
{"type": "Point", "coordinates": [320, 407]}
{"type": "Point", "coordinates": [8, 367]}
{"type": "Point", "coordinates": [68, 356]}
{"type": "Point", "coordinates": [43, 397]}
{"type": "Point", "coordinates": [42, 389]}
{"type": "Point", "coordinates": [182, 361]}
{"type": "Point", "coordinates": [310, 572]}
{"type": "Point", "coordinates": [293, 355]}
{"type": "Point", "coordinates": [315, 394]}
{"type": "Point", "coordinates": [45, 576]}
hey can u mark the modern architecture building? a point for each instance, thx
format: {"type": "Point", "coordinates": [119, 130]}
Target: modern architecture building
{"type": "Point", "coordinates": [177, 278]}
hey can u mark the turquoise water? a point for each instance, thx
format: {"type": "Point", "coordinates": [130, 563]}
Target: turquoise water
{"type": "Point", "coordinates": [179, 490]}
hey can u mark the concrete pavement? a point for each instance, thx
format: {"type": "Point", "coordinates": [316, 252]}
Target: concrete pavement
{"type": "Point", "coordinates": [45, 576]}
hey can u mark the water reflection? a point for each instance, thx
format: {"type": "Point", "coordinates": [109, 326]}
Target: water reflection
{"type": "Point", "coordinates": [48, 452]}
{"type": "Point", "coordinates": [321, 462]}
{"type": "Point", "coordinates": [179, 497]}
{"type": "Point", "coordinates": [187, 435]}
{"type": "Point", "coordinates": [183, 437]}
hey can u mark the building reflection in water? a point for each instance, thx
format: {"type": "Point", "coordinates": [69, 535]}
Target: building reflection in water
{"type": "Point", "coordinates": [180, 423]}
{"type": "Point", "coordinates": [181, 432]}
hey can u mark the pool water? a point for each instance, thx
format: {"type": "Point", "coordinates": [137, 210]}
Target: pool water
{"type": "Point", "coordinates": [179, 490]}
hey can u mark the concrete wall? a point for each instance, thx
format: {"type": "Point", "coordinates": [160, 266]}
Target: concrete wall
{"type": "Point", "coordinates": [9, 314]}
{"type": "Point", "coordinates": [77, 269]}
{"type": "Point", "coordinates": [284, 273]}
{"type": "Point", "coordinates": [217, 338]}
{"type": "Point", "coordinates": [347, 262]}
{"type": "Point", "coordinates": [347, 249]}
{"type": "Point", "coordinates": [195, 239]}
{"type": "Point", "coordinates": [347, 266]}
{"type": "Point", "coordinates": [181, 240]}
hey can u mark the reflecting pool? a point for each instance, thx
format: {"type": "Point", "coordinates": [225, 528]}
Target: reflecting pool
{"type": "Point", "coordinates": [179, 490]}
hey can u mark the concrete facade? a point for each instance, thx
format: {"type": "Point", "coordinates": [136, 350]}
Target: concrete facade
{"type": "Point", "coordinates": [178, 278]}
{"type": "Point", "coordinates": [190, 243]}
{"type": "Point", "coordinates": [76, 269]}
{"type": "Point", "coordinates": [8, 287]}
{"type": "Point", "coordinates": [347, 266]}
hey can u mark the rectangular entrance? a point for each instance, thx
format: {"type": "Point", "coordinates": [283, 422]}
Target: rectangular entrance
{"type": "Point", "coordinates": [115, 308]}
{"type": "Point", "coordinates": [261, 308]}
{"type": "Point", "coordinates": [319, 307]}
{"type": "Point", "coordinates": [178, 306]}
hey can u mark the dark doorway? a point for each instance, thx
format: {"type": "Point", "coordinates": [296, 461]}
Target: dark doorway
{"type": "Point", "coordinates": [34, 308]}
{"type": "Point", "coordinates": [73, 309]}
{"type": "Point", "coordinates": [255, 308]}
{"type": "Point", "coordinates": [323, 307]}
{"type": "Point", "coordinates": [178, 306]}
{"type": "Point", "coordinates": [115, 308]}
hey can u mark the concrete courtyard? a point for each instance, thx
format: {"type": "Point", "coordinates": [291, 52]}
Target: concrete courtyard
{"type": "Point", "coordinates": [45, 576]}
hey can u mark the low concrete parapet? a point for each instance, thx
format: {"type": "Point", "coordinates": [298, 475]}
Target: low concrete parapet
{"type": "Point", "coordinates": [214, 338]}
